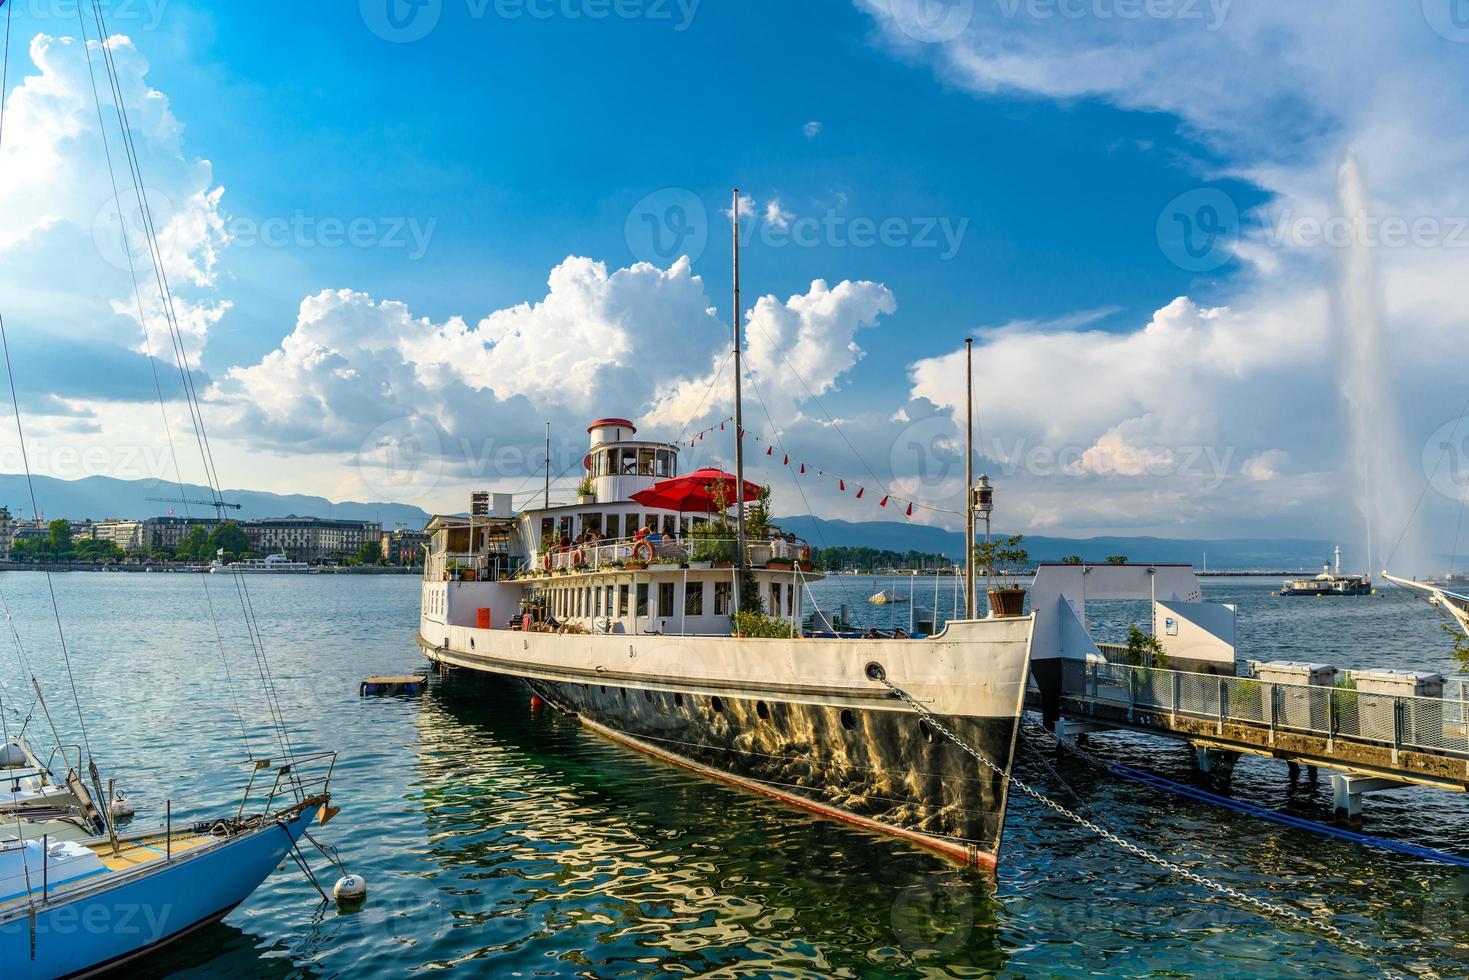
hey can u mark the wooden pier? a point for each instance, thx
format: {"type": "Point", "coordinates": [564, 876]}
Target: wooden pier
{"type": "Point", "coordinates": [1370, 742]}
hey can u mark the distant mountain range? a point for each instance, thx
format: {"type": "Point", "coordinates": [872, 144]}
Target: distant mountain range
{"type": "Point", "coordinates": [1228, 553]}
{"type": "Point", "coordinates": [101, 497]}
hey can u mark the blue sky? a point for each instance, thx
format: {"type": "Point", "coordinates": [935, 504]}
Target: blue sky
{"type": "Point", "coordinates": [528, 140]}
{"type": "Point", "coordinates": [1036, 167]}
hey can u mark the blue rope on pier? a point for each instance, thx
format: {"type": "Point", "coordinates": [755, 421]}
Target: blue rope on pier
{"type": "Point", "coordinates": [1250, 809]}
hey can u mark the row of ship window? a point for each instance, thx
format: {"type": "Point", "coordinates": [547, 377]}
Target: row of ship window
{"type": "Point", "coordinates": [629, 600]}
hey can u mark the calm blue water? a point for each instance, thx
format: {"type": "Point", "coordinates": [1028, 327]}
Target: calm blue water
{"type": "Point", "coordinates": [501, 840]}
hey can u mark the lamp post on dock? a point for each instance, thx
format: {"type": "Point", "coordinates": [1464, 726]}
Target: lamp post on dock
{"type": "Point", "coordinates": [982, 502]}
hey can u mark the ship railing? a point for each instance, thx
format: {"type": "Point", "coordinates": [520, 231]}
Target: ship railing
{"type": "Point", "coordinates": [279, 782]}
{"type": "Point", "coordinates": [468, 567]}
{"type": "Point", "coordinates": [666, 549]}
{"type": "Point", "coordinates": [1433, 725]}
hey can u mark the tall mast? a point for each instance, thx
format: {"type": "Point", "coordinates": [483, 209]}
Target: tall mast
{"type": "Point", "coordinates": [968, 477]}
{"type": "Point", "coordinates": [739, 415]}
{"type": "Point", "coordinates": [548, 466]}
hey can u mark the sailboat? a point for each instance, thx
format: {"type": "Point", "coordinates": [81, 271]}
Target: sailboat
{"type": "Point", "coordinates": [623, 610]}
{"type": "Point", "coordinates": [1455, 602]}
{"type": "Point", "coordinates": [78, 893]}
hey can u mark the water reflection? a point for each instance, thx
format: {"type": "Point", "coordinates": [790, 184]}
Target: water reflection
{"type": "Point", "coordinates": [549, 843]}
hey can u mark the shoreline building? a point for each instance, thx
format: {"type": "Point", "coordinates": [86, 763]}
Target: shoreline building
{"type": "Point", "coordinates": [310, 538]}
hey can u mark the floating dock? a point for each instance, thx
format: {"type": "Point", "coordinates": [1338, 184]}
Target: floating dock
{"type": "Point", "coordinates": [401, 684]}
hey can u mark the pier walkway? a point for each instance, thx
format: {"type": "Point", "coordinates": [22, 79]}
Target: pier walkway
{"type": "Point", "coordinates": [1370, 742]}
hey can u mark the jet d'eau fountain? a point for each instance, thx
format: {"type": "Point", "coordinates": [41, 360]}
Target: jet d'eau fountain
{"type": "Point", "coordinates": [1380, 471]}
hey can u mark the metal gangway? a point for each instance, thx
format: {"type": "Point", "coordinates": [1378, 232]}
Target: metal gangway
{"type": "Point", "coordinates": [1369, 741]}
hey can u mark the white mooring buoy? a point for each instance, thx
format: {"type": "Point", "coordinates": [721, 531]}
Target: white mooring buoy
{"type": "Point", "coordinates": [122, 808]}
{"type": "Point", "coordinates": [350, 889]}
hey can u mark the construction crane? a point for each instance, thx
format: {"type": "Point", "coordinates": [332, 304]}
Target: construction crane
{"type": "Point", "coordinates": [202, 503]}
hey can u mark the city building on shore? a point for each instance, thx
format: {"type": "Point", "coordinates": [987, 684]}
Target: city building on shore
{"type": "Point", "coordinates": [403, 546]}
{"type": "Point", "coordinates": [7, 533]}
{"type": "Point", "coordinates": [311, 538]}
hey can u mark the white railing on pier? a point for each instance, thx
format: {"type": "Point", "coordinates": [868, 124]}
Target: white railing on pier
{"type": "Point", "coordinates": [1439, 726]}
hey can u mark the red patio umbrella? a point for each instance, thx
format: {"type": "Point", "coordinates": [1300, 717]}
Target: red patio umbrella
{"type": "Point", "coordinates": [696, 492]}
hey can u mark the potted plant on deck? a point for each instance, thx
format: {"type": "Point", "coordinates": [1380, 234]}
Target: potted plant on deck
{"type": "Point", "coordinates": [1004, 560]}
{"type": "Point", "coordinates": [585, 492]}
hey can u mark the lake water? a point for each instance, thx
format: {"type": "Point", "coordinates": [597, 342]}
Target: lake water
{"type": "Point", "coordinates": [501, 840]}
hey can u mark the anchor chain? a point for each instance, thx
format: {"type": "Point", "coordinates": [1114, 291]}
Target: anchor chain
{"type": "Point", "coordinates": [1269, 909]}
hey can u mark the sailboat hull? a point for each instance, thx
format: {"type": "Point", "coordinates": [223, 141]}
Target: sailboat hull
{"type": "Point", "coordinates": [115, 921]}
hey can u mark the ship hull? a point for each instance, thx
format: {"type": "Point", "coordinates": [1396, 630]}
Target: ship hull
{"type": "Point", "coordinates": [799, 720]}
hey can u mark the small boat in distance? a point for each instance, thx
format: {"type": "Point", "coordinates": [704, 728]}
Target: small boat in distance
{"type": "Point", "coordinates": [270, 564]}
{"type": "Point", "coordinates": [886, 597]}
{"type": "Point", "coordinates": [1329, 582]}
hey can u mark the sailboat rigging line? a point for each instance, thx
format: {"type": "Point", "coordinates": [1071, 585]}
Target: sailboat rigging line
{"type": "Point", "coordinates": [153, 367]}
{"type": "Point", "coordinates": [191, 396]}
{"type": "Point", "coordinates": [50, 588]}
{"type": "Point", "coordinates": [20, 430]}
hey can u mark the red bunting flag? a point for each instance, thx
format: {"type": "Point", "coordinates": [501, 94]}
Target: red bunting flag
{"type": "Point", "coordinates": [883, 502]}
{"type": "Point", "coordinates": [910, 510]}
{"type": "Point", "coordinates": [860, 491]}
{"type": "Point", "coordinates": [701, 437]}
{"type": "Point", "coordinates": [803, 467]}
{"type": "Point", "coordinates": [842, 485]}
{"type": "Point", "coordinates": [785, 460]}
{"type": "Point", "coordinates": [770, 450]}
{"type": "Point", "coordinates": [721, 426]}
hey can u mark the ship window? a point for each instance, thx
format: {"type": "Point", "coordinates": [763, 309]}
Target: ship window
{"type": "Point", "coordinates": [790, 598]}
{"type": "Point", "coordinates": [629, 462]}
{"type": "Point", "coordinates": [598, 606]}
{"type": "Point", "coordinates": [722, 594]}
{"type": "Point", "coordinates": [849, 719]}
{"type": "Point", "coordinates": [642, 608]}
{"type": "Point", "coordinates": [693, 599]}
{"type": "Point", "coordinates": [775, 599]}
{"type": "Point", "coordinates": [622, 591]}
{"type": "Point", "coordinates": [606, 464]}
{"type": "Point", "coordinates": [664, 464]}
{"type": "Point", "coordinates": [925, 731]}
{"type": "Point", "coordinates": [669, 523]}
{"type": "Point", "coordinates": [591, 522]}
{"type": "Point", "coordinates": [613, 529]}
{"type": "Point", "coordinates": [665, 599]}
{"type": "Point", "coordinates": [762, 710]}
{"type": "Point", "coordinates": [716, 704]}
{"type": "Point", "coordinates": [678, 700]}
{"type": "Point", "coordinates": [609, 600]}
{"type": "Point", "coordinates": [645, 462]}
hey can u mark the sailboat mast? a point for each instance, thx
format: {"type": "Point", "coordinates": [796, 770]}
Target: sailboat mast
{"type": "Point", "coordinates": [739, 415]}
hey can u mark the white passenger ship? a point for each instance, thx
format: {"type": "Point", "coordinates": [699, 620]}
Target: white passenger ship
{"type": "Point", "coordinates": [620, 614]}
{"type": "Point", "coordinates": [618, 609]}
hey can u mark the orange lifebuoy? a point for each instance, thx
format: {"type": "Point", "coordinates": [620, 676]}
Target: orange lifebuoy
{"type": "Point", "coordinates": [646, 550]}
{"type": "Point", "coordinates": [577, 558]}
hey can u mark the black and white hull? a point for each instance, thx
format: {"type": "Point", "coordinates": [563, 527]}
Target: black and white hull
{"type": "Point", "coordinates": [799, 720]}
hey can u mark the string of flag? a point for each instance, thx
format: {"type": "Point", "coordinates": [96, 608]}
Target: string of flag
{"type": "Point", "coordinates": [802, 468]}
